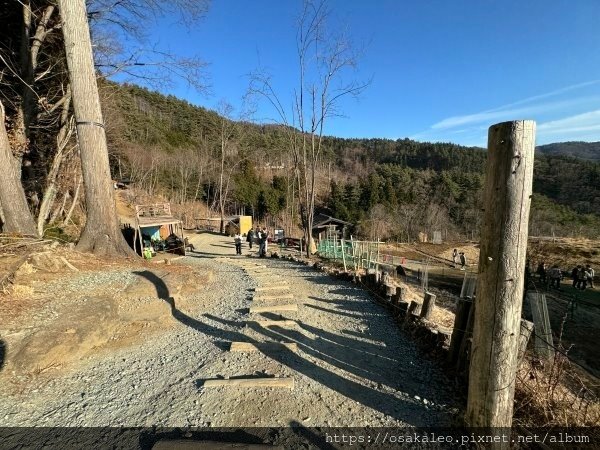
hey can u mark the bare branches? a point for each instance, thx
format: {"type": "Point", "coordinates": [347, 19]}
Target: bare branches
{"type": "Point", "coordinates": [120, 31]}
{"type": "Point", "coordinates": [159, 68]}
{"type": "Point", "coordinates": [325, 61]}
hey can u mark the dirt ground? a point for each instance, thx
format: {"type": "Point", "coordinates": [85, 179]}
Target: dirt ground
{"type": "Point", "coordinates": [93, 342]}
{"type": "Point", "coordinates": [63, 306]}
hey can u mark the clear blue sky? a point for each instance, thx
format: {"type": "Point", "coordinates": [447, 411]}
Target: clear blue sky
{"type": "Point", "coordinates": [442, 70]}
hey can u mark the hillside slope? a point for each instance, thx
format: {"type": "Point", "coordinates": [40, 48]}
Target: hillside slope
{"type": "Point", "coordinates": [581, 150]}
{"type": "Point", "coordinates": [170, 146]}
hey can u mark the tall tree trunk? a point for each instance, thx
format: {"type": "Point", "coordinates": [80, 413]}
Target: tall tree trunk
{"type": "Point", "coordinates": [74, 203]}
{"type": "Point", "coordinates": [61, 142]}
{"type": "Point", "coordinates": [17, 217]}
{"type": "Point", "coordinates": [101, 234]}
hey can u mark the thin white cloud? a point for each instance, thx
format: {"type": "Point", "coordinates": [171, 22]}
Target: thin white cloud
{"type": "Point", "coordinates": [509, 110]}
{"type": "Point", "coordinates": [489, 116]}
{"type": "Point", "coordinates": [547, 94]}
{"type": "Point", "coordinates": [579, 123]}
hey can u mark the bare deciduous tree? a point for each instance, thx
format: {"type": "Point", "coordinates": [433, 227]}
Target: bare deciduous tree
{"type": "Point", "coordinates": [323, 61]}
{"type": "Point", "coordinates": [120, 30]}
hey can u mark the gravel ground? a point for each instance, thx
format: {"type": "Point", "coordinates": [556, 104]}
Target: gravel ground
{"type": "Point", "coordinates": [354, 367]}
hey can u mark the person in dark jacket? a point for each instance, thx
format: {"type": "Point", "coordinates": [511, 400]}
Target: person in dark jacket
{"type": "Point", "coordinates": [555, 275]}
{"type": "Point", "coordinates": [250, 237]}
{"type": "Point", "coordinates": [581, 278]}
{"type": "Point", "coordinates": [574, 273]}
{"type": "Point", "coordinates": [541, 271]}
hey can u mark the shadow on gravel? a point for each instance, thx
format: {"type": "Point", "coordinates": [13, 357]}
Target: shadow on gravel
{"type": "Point", "coordinates": [2, 353]}
{"type": "Point", "coordinates": [309, 436]}
{"type": "Point", "coordinates": [198, 254]}
{"type": "Point", "coordinates": [359, 358]}
{"type": "Point", "coordinates": [328, 310]}
{"type": "Point", "coordinates": [349, 306]}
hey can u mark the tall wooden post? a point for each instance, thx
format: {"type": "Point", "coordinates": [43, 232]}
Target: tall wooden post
{"type": "Point", "coordinates": [509, 173]}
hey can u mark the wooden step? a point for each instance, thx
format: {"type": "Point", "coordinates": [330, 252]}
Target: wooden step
{"type": "Point", "coordinates": [287, 383]}
{"type": "Point", "coordinates": [273, 297]}
{"type": "Point", "coordinates": [274, 323]}
{"type": "Point", "coordinates": [274, 308]}
{"type": "Point", "coordinates": [262, 347]}
{"type": "Point", "coordinates": [272, 288]}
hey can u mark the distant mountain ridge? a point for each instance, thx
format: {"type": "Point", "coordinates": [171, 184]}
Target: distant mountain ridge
{"type": "Point", "coordinates": [575, 149]}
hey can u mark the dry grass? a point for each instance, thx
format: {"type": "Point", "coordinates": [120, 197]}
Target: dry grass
{"type": "Point", "coordinates": [551, 393]}
{"type": "Point", "coordinates": [21, 291]}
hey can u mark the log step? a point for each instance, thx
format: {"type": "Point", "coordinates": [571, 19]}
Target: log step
{"type": "Point", "coordinates": [274, 323]}
{"type": "Point", "coordinates": [287, 383]}
{"type": "Point", "coordinates": [273, 297]}
{"type": "Point", "coordinates": [262, 347]}
{"type": "Point", "coordinates": [272, 288]}
{"type": "Point", "coordinates": [273, 308]}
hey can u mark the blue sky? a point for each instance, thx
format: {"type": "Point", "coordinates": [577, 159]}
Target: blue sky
{"type": "Point", "coordinates": [441, 70]}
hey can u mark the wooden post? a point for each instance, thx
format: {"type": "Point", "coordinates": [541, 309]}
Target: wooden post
{"type": "Point", "coordinates": [466, 345]}
{"type": "Point", "coordinates": [460, 325]}
{"type": "Point", "coordinates": [524, 336]}
{"type": "Point", "coordinates": [401, 293]}
{"type": "Point", "coordinates": [428, 305]}
{"type": "Point", "coordinates": [390, 291]}
{"type": "Point", "coordinates": [413, 309]}
{"type": "Point", "coordinates": [507, 193]}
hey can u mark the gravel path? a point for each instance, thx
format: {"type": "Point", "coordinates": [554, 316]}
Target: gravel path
{"type": "Point", "coordinates": [354, 367]}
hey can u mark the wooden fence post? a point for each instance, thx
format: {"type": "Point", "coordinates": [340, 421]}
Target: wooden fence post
{"type": "Point", "coordinates": [503, 246]}
{"type": "Point", "coordinates": [460, 326]}
{"type": "Point", "coordinates": [525, 335]}
{"type": "Point", "coordinates": [428, 305]}
{"type": "Point", "coordinates": [413, 310]}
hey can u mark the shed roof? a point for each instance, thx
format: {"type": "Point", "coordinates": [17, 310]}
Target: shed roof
{"type": "Point", "coordinates": [156, 221]}
{"type": "Point", "coordinates": [322, 220]}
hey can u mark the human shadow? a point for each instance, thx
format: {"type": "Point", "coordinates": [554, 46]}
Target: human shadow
{"type": "Point", "coordinates": [359, 358]}
{"type": "Point", "coordinates": [329, 310]}
{"type": "Point", "coordinates": [2, 353]}
{"type": "Point", "coordinates": [328, 350]}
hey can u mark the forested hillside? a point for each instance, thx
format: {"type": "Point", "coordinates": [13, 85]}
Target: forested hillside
{"type": "Point", "coordinates": [582, 150]}
{"type": "Point", "coordinates": [389, 188]}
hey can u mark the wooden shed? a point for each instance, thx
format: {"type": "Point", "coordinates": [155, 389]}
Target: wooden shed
{"type": "Point", "coordinates": [157, 220]}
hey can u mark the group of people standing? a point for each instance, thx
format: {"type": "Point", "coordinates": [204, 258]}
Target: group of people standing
{"type": "Point", "coordinates": [582, 276]}
{"type": "Point", "coordinates": [261, 235]}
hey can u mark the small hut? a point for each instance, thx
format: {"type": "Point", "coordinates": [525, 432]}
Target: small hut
{"type": "Point", "coordinates": [324, 225]}
{"type": "Point", "coordinates": [157, 222]}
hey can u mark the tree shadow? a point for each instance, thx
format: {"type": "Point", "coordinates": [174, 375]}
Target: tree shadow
{"type": "Point", "coordinates": [341, 352]}
{"type": "Point", "coordinates": [332, 311]}
{"type": "Point", "coordinates": [199, 254]}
